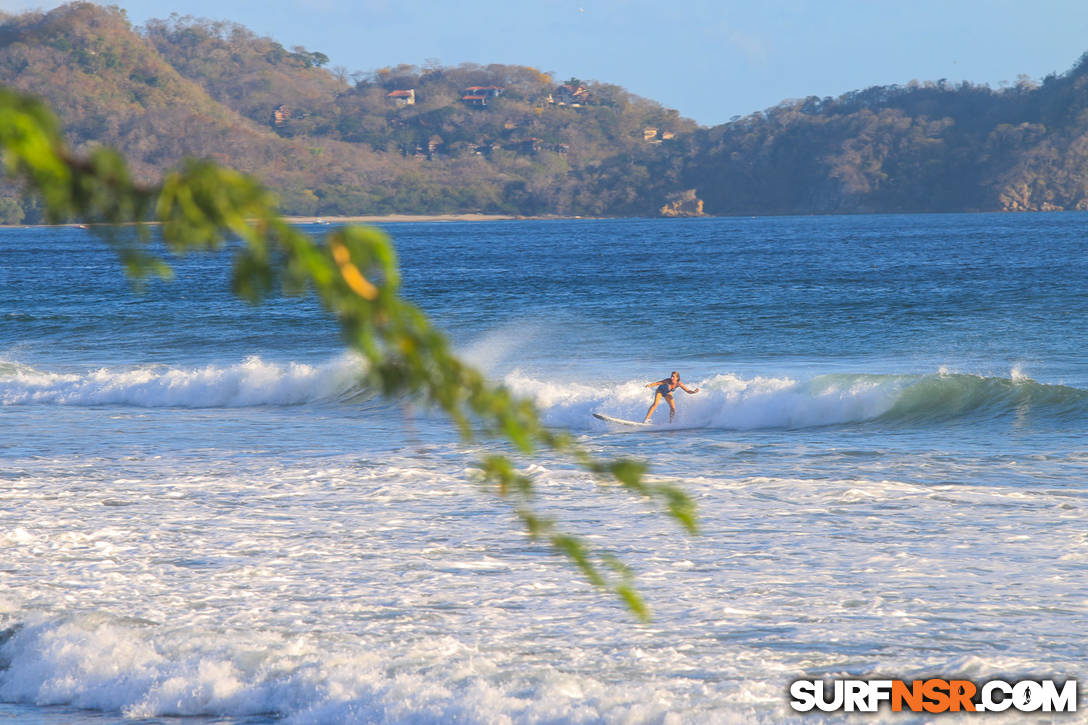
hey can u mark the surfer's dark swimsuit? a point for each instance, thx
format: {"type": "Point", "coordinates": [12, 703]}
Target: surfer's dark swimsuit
{"type": "Point", "coordinates": [664, 389]}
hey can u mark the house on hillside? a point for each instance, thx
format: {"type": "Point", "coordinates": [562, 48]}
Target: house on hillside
{"type": "Point", "coordinates": [280, 115]}
{"type": "Point", "coordinates": [650, 134]}
{"type": "Point", "coordinates": [478, 96]}
{"type": "Point", "coordinates": [484, 149]}
{"type": "Point", "coordinates": [486, 91]}
{"type": "Point", "coordinates": [406, 97]}
{"type": "Point", "coordinates": [567, 95]}
{"type": "Point", "coordinates": [433, 144]}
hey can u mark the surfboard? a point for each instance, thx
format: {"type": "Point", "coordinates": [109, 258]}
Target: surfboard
{"type": "Point", "coordinates": [620, 421]}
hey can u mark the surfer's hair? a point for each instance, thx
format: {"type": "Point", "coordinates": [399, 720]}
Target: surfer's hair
{"type": "Point", "coordinates": [674, 373]}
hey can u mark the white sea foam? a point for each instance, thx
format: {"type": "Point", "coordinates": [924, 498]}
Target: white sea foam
{"type": "Point", "coordinates": [99, 663]}
{"type": "Point", "coordinates": [723, 401]}
{"type": "Point", "coordinates": [251, 382]}
{"type": "Point", "coordinates": [337, 593]}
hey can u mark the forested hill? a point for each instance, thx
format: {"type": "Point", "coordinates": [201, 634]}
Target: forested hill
{"type": "Point", "coordinates": [491, 139]}
{"type": "Point", "coordinates": [514, 140]}
{"type": "Point", "coordinates": [921, 147]}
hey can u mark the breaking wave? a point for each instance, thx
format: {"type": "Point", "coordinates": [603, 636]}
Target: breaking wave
{"type": "Point", "coordinates": [725, 401]}
{"type": "Point", "coordinates": [249, 383]}
{"type": "Point", "coordinates": [732, 402]}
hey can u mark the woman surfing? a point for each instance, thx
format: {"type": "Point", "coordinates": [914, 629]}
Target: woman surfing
{"type": "Point", "coordinates": [664, 390]}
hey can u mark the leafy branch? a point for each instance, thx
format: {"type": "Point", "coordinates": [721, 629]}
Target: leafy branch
{"type": "Point", "coordinates": [354, 274]}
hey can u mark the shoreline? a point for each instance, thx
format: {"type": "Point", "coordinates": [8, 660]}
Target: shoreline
{"type": "Point", "coordinates": [360, 219]}
{"type": "Point", "coordinates": [481, 217]}
{"type": "Point", "coordinates": [397, 218]}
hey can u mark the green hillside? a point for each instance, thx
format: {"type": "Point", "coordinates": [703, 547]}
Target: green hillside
{"type": "Point", "coordinates": [511, 139]}
{"type": "Point", "coordinates": [922, 147]}
{"type": "Point", "coordinates": [520, 148]}
{"type": "Point", "coordinates": [185, 87]}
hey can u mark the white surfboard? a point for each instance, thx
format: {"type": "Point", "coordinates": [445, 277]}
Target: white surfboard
{"type": "Point", "coordinates": [621, 421]}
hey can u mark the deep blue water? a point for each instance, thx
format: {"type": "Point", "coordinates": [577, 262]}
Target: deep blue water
{"type": "Point", "coordinates": [885, 401]}
{"type": "Point", "coordinates": [903, 292]}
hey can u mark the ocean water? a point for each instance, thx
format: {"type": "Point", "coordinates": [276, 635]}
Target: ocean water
{"type": "Point", "coordinates": [204, 516]}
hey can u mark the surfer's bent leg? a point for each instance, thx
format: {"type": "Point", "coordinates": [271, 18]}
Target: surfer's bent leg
{"type": "Point", "coordinates": [672, 407]}
{"type": "Point", "coordinates": [650, 412]}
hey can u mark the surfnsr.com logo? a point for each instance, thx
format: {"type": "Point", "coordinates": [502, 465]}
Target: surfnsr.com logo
{"type": "Point", "coordinates": [934, 695]}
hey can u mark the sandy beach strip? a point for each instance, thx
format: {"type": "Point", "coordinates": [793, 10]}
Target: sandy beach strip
{"type": "Point", "coordinates": [394, 218]}
{"type": "Point", "coordinates": [368, 219]}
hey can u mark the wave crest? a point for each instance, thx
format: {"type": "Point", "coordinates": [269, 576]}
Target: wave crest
{"type": "Point", "coordinates": [725, 400]}
{"type": "Point", "coordinates": [731, 402]}
{"type": "Point", "coordinates": [249, 383]}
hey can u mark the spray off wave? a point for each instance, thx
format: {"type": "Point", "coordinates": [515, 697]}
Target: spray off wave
{"type": "Point", "coordinates": [731, 402]}
{"type": "Point", "coordinates": [249, 383]}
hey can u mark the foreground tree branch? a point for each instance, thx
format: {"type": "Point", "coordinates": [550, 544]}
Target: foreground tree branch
{"type": "Point", "coordinates": [354, 274]}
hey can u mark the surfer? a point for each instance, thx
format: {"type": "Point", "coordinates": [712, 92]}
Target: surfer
{"type": "Point", "coordinates": [664, 390]}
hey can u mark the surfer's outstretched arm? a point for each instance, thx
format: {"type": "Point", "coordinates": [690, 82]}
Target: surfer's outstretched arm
{"type": "Point", "coordinates": [686, 390]}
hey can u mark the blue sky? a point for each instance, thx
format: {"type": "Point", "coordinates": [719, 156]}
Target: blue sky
{"type": "Point", "coordinates": [709, 60]}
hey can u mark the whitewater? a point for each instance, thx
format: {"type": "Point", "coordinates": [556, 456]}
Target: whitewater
{"type": "Point", "coordinates": [728, 400]}
{"type": "Point", "coordinates": [206, 514]}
